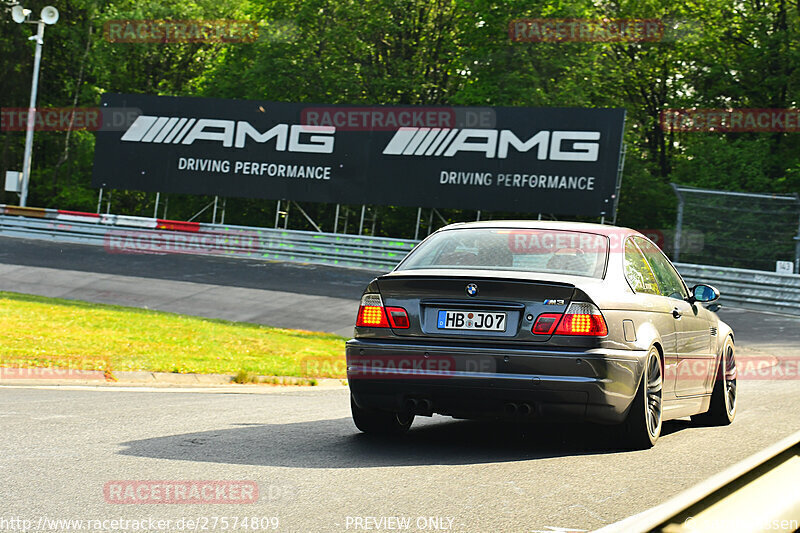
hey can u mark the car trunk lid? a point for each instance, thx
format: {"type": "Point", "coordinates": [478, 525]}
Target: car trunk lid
{"type": "Point", "coordinates": [436, 303]}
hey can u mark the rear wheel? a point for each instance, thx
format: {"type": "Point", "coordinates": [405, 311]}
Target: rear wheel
{"type": "Point", "coordinates": [643, 426]}
{"type": "Point", "coordinates": [722, 410]}
{"type": "Point", "coordinates": [380, 422]}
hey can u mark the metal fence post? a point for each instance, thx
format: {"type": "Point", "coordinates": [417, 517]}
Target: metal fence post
{"type": "Point", "coordinates": [416, 228]}
{"type": "Point", "coordinates": [797, 250]}
{"type": "Point", "coordinates": [361, 224]}
{"type": "Point", "coordinates": [155, 209]}
{"type": "Point", "coordinates": [336, 219]}
{"type": "Point", "coordinates": [620, 169]}
{"type": "Point", "coordinates": [99, 200]}
{"type": "Point", "coordinates": [678, 224]}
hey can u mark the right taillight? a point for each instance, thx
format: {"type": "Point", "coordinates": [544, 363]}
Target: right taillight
{"type": "Point", "coordinates": [581, 318]}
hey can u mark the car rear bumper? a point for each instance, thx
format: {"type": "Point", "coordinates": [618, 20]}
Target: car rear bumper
{"type": "Point", "coordinates": [595, 385]}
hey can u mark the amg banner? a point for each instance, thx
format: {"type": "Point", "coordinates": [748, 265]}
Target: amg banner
{"type": "Point", "coordinates": [531, 160]}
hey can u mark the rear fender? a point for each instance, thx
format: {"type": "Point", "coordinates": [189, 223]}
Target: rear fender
{"type": "Point", "coordinates": [647, 336]}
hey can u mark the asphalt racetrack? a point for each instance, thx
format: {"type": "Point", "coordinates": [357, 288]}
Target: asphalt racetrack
{"type": "Point", "coordinates": [60, 446]}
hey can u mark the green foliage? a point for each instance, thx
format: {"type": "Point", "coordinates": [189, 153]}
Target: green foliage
{"type": "Point", "coordinates": [714, 54]}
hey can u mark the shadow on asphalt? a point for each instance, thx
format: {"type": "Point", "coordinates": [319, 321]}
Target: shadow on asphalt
{"type": "Point", "coordinates": [338, 444]}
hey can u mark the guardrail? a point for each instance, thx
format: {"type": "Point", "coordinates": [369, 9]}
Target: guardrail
{"type": "Point", "coordinates": [128, 234]}
{"type": "Point", "coordinates": [752, 289]}
{"type": "Point", "coordinates": [757, 494]}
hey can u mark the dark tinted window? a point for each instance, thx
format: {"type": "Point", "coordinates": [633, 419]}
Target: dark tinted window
{"type": "Point", "coordinates": [530, 250]}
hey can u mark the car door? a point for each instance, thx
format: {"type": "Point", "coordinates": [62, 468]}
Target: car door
{"type": "Point", "coordinates": [693, 333]}
{"type": "Point", "coordinates": [642, 280]}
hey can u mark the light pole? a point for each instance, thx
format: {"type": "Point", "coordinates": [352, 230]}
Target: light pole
{"type": "Point", "coordinates": [49, 15]}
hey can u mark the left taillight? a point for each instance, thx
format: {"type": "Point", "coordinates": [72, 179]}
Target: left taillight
{"type": "Point", "coordinates": [372, 314]}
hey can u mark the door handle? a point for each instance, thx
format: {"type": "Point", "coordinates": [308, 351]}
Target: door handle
{"type": "Point", "coordinates": [676, 313]}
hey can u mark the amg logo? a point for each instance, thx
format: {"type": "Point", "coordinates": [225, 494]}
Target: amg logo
{"type": "Point", "coordinates": [494, 143]}
{"type": "Point", "coordinates": [173, 130]}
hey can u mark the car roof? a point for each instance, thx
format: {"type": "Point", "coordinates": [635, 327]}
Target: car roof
{"type": "Point", "coordinates": [602, 229]}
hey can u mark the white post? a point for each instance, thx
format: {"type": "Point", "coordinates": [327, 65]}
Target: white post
{"type": "Point", "coordinates": [26, 161]}
{"type": "Point", "coordinates": [155, 211]}
{"type": "Point", "coordinates": [214, 215]}
{"type": "Point", "coordinates": [336, 219]}
{"type": "Point", "coordinates": [416, 228]}
{"type": "Point", "coordinates": [676, 253]}
{"type": "Point", "coordinates": [797, 252]}
{"type": "Point", "coordinates": [361, 224]}
{"type": "Point", "coordinates": [99, 200]}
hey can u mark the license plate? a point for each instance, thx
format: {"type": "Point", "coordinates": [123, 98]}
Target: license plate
{"type": "Point", "coordinates": [471, 320]}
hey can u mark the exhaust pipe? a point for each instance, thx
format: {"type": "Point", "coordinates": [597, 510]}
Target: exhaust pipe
{"type": "Point", "coordinates": [524, 409]}
{"type": "Point", "coordinates": [510, 409]}
{"type": "Point", "coordinates": [425, 406]}
{"type": "Point", "coordinates": [411, 405]}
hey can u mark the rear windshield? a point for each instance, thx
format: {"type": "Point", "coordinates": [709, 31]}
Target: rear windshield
{"type": "Point", "coordinates": [528, 250]}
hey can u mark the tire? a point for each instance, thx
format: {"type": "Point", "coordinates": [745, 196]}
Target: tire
{"type": "Point", "coordinates": [380, 422]}
{"type": "Point", "coordinates": [643, 425]}
{"type": "Point", "coordinates": [722, 409]}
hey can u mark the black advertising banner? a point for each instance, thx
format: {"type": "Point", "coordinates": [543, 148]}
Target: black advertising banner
{"type": "Point", "coordinates": [531, 160]}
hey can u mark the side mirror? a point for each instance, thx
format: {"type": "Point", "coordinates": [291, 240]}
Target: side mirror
{"type": "Point", "coordinates": [703, 293]}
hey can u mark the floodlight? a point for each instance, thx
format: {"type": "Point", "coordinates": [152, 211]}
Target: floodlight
{"type": "Point", "coordinates": [19, 14]}
{"type": "Point", "coordinates": [49, 15]}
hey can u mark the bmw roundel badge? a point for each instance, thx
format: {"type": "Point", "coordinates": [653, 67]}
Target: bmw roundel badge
{"type": "Point", "coordinates": [472, 289]}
